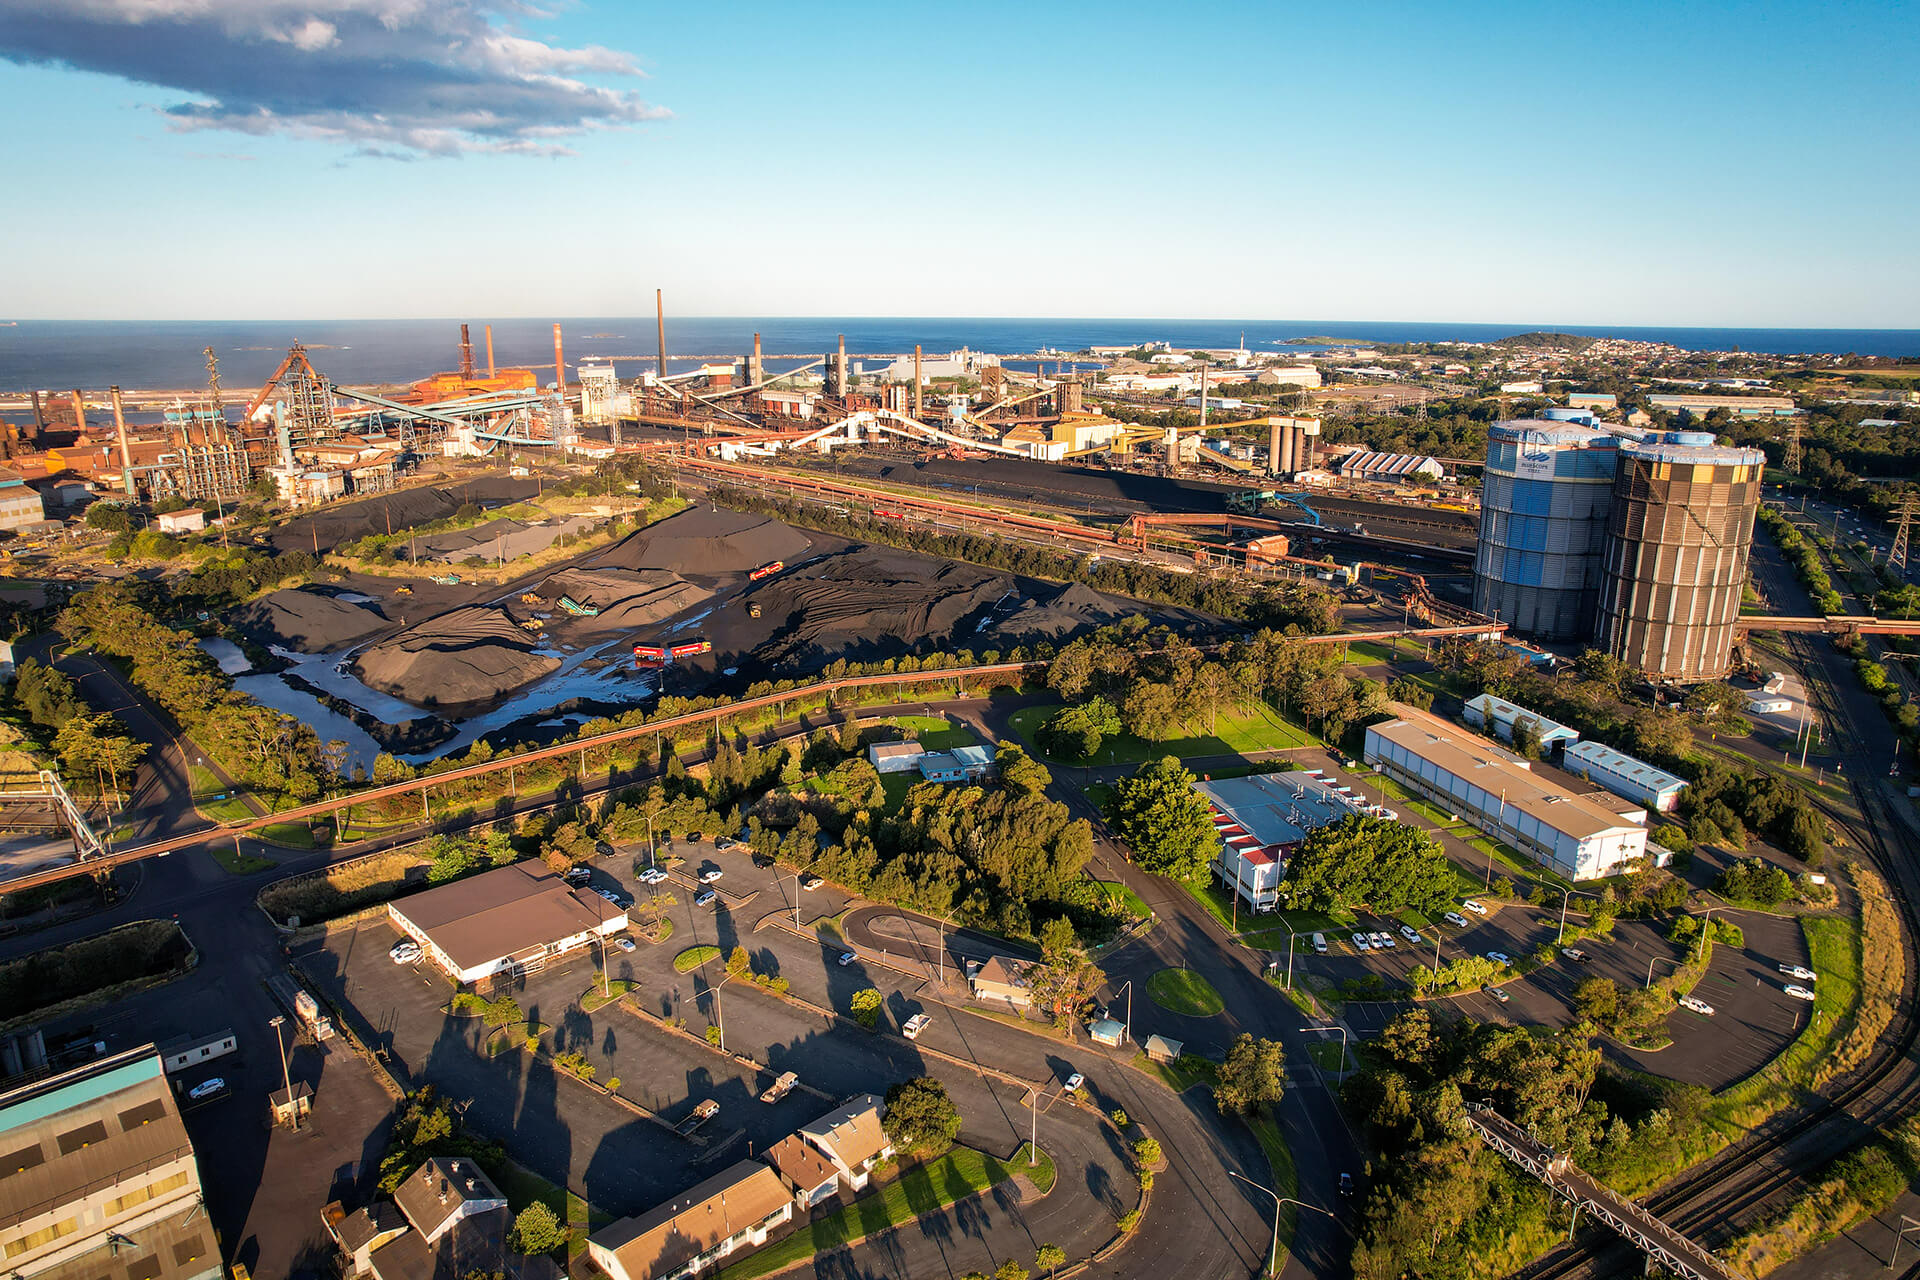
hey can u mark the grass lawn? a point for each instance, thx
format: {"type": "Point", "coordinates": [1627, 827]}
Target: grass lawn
{"type": "Point", "coordinates": [920, 1189]}
{"type": "Point", "coordinates": [1098, 793]}
{"type": "Point", "coordinates": [1234, 733]}
{"type": "Point", "coordinates": [513, 1036]}
{"type": "Point", "coordinates": [522, 1187]}
{"type": "Point", "coordinates": [230, 808]}
{"type": "Point", "coordinates": [1374, 652]}
{"type": "Point", "coordinates": [935, 734]}
{"type": "Point", "coordinates": [292, 835]}
{"type": "Point", "coordinates": [597, 997]}
{"type": "Point", "coordinates": [1328, 1054]}
{"type": "Point", "coordinates": [1286, 1181]}
{"type": "Point", "coordinates": [1036, 1164]}
{"type": "Point", "coordinates": [1265, 932]}
{"type": "Point", "coordinates": [693, 957]}
{"type": "Point", "coordinates": [1184, 991]}
{"type": "Point", "coordinates": [239, 864]}
{"type": "Point", "coordinates": [1182, 1073]}
{"type": "Point", "coordinates": [896, 785]}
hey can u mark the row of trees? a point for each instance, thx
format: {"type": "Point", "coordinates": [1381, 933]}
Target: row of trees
{"type": "Point", "coordinates": [265, 749]}
{"type": "Point", "coordinates": [89, 746]}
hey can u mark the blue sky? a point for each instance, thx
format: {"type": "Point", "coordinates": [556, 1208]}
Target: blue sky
{"type": "Point", "coordinates": [1713, 164]}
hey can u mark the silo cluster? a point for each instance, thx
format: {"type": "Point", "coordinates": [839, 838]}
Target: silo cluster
{"type": "Point", "coordinates": [1639, 542]}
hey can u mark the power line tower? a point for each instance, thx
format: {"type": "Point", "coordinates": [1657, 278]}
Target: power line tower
{"type": "Point", "coordinates": [1793, 448]}
{"type": "Point", "coordinates": [1907, 510]}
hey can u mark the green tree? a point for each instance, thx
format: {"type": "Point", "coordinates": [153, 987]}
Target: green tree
{"type": "Point", "coordinates": [1010, 1270]}
{"type": "Point", "coordinates": [1149, 710]}
{"type": "Point", "coordinates": [1065, 979]}
{"type": "Point", "coordinates": [866, 1007]}
{"type": "Point", "coordinates": [1602, 668]}
{"type": "Point", "coordinates": [537, 1229]}
{"type": "Point", "coordinates": [1166, 822]}
{"type": "Point", "coordinates": [1598, 1001]}
{"type": "Point", "coordinates": [1388, 866]}
{"type": "Point", "coordinates": [1050, 1256]}
{"type": "Point", "coordinates": [739, 963]}
{"type": "Point", "coordinates": [1254, 1075]}
{"type": "Point", "coordinates": [920, 1116]}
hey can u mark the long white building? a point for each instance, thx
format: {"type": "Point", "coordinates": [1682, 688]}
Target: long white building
{"type": "Point", "coordinates": [1625, 776]}
{"type": "Point", "coordinates": [1499, 793]}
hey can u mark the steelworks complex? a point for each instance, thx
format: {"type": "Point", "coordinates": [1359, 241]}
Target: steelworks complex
{"type": "Point", "coordinates": [1636, 540]}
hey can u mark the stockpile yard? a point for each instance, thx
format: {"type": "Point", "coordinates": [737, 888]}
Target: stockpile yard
{"type": "Point", "coordinates": [467, 657]}
{"type": "Point", "coordinates": [311, 621]}
{"type": "Point", "coordinates": [1057, 614]}
{"type": "Point", "coordinates": [623, 598]}
{"type": "Point", "coordinates": [871, 601]}
{"type": "Point", "coordinates": [332, 527]}
{"type": "Point", "coordinates": [710, 541]}
{"type": "Point", "coordinates": [499, 539]}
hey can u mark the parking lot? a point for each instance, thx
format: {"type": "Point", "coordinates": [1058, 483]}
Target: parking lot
{"type": "Point", "coordinates": [1753, 1018]}
{"type": "Point", "coordinates": [627, 1162]}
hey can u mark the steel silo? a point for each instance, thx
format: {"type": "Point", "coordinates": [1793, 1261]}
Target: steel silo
{"type": "Point", "coordinates": [1676, 556]}
{"type": "Point", "coordinates": [1543, 522]}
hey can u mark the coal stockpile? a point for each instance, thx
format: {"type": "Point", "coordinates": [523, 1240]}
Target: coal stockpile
{"type": "Point", "coordinates": [870, 601]}
{"type": "Point", "coordinates": [403, 509]}
{"type": "Point", "coordinates": [308, 620]}
{"type": "Point", "coordinates": [625, 598]}
{"type": "Point", "coordinates": [707, 540]}
{"type": "Point", "coordinates": [1061, 613]}
{"type": "Point", "coordinates": [1161, 493]}
{"type": "Point", "coordinates": [470, 655]}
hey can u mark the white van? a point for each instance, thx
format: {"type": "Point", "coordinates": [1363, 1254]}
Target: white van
{"type": "Point", "coordinates": [1319, 944]}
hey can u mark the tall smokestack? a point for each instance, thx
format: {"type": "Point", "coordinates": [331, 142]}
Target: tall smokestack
{"type": "Point", "coordinates": [126, 453]}
{"type": "Point", "coordinates": [489, 351]}
{"type": "Point", "coordinates": [80, 410]}
{"type": "Point", "coordinates": [466, 354]}
{"type": "Point", "coordinates": [843, 365]}
{"type": "Point", "coordinates": [1203, 397]}
{"type": "Point", "coordinates": [39, 420]}
{"type": "Point", "coordinates": [660, 320]}
{"type": "Point", "coordinates": [916, 382]}
{"type": "Point", "coordinates": [758, 372]}
{"type": "Point", "coordinates": [559, 363]}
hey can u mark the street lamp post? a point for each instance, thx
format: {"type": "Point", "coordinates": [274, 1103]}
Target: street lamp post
{"type": "Point", "coordinates": [286, 1076]}
{"type": "Point", "coordinates": [1273, 1254]}
{"type": "Point", "coordinates": [1906, 1224]}
{"type": "Point", "coordinates": [1652, 961]}
{"type": "Point", "coordinates": [1342, 1029]}
{"type": "Point", "coordinates": [1127, 987]}
{"type": "Point", "coordinates": [651, 856]}
{"type": "Point", "coordinates": [1565, 895]}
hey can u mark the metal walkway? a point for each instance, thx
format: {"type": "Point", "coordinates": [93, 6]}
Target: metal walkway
{"type": "Point", "coordinates": [1653, 1237]}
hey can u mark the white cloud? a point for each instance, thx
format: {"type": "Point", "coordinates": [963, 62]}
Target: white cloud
{"type": "Point", "coordinates": [386, 77]}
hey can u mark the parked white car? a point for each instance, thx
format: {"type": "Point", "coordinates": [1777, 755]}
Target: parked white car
{"type": "Point", "coordinates": [207, 1088]}
{"type": "Point", "coordinates": [1474, 907]}
{"type": "Point", "coordinates": [1698, 1006]}
{"type": "Point", "coordinates": [1455, 918]}
{"type": "Point", "coordinates": [1800, 993]}
{"type": "Point", "coordinates": [1411, 934]}
{"type": "Point", "coordinates": [405, 952]}
{"type": "Point", "coordinates": [1499, 957]}
{"type": "Point", "coordinates": [1797, 971]}
{"type": "Point", "coordinates": [1360, 942]}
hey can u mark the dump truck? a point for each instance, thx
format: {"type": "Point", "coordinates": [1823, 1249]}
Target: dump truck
{"type": "Point", "coordinates": [780, 1088]}
{"type": "Point", "coordinates": [691, 648]}
{"type": "Point", "coordinates": [650, 655]}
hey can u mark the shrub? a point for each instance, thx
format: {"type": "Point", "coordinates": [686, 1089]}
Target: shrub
{"type": "Point", "coordinates": [1128, 1221]}
{"type": "Point", "coordinates": [866, 1007]}
{"type": "Point", "coordinates": [1147, 1151]}
{"type": "Point", "coordinates": [713, 1036]}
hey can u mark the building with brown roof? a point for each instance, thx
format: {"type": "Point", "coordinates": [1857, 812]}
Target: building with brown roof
{"type": "Point", "coordinates": [98, 1179]}
{"type": "Point", "coordinates": [731, 1211]}
{"type": "Point", "coordinates": [804, 1168]}
{"type": "Point", "coordinates": [514, 919]}
{"type": "Point", "coordinates": [852, 1139]}
{"type": "Point", "coordinates": [1003, 980]}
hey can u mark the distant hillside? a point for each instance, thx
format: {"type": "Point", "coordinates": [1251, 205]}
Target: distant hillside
{"type": "Point", "coordinates": [1540, 339]}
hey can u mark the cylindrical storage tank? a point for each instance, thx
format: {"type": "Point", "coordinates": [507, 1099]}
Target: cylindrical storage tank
{"type": "Point", "coordinates": [1543, 522]}
{"type": "Point", "coordinates": [1287, 462]}
{"type": "Point", "coordinates": [1676, 558]}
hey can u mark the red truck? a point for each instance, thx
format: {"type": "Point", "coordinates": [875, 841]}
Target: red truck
{"type": "Point", "coordinates": [650, 655]}
{"type": "Point", "coordinates": [691, 648]}
{"type": "Point", "coordinates": [766, 571]}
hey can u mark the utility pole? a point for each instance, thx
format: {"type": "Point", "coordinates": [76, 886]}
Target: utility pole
{"type": "Point", "coordinates": [286, 1076]}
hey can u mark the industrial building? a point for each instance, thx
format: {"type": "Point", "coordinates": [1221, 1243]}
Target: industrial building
{"type": "Point", "coordinates": [1638, 543]}
{"type": "Point", "coordinates": [20, 504]}
{"type": "Point", "coordinates": [1393, 468]}
{"type": "Point", "coordinates": [1499, 793]}
{"type": "Point", "coordinates": [1744, 406]}
{"type": "Point", "coordinates": [1598, 400]}
{"type": "Point", "coordinates": [1623, 775]}
{"type": "Point", "coordinates": [515, 919]}
{"type": "Point", "coordinates": [1290, 444]}
{"type": "Point", "coordinates": [1260, 819]}
{"type": "Point", "coordinates": [1676, 554]}
{"type": "Point", "coordinates": [1543, 522]}
{"type": "Point", "coordinates": [99, 1174]}
{"type": "Point", "coordinates": [1489, 712]}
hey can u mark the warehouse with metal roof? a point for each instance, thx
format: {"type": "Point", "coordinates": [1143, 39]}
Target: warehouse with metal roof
{"type": "Point", "coordinates": [1501, 795]}
{"type": "Point", "coordinates": [1625, 776]}
{"type": "Point", "coordinates": [501, 922]}
{"type": "Point", "coordinates": [1397, 467]}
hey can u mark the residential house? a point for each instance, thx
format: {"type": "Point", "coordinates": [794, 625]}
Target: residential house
{"type": "Point", "coordinates": [733, 1210]}
{"type": "Point", "coordinates": [852, 1139]}
{"type": "Point", "coordinates": [1005, 980]}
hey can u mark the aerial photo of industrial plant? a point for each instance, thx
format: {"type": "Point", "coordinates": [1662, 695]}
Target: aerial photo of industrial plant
{"type": "Point", "coordinates": [990, 644]}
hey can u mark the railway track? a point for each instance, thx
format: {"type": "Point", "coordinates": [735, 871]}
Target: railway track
{"type": "Point", "coordinates": [1733, 1189]}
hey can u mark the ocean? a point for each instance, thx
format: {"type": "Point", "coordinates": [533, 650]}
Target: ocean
{"type": "Point", "coordinates": [59, 354]}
